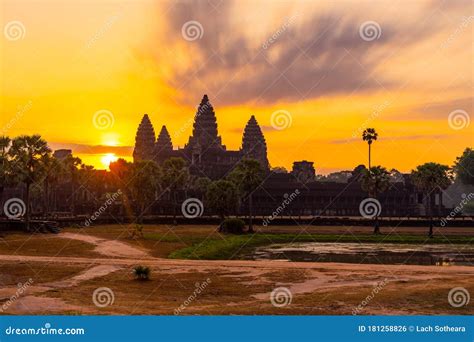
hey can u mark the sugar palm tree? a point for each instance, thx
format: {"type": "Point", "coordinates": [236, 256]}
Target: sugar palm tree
{"type": "Point", "coordinates": [375, 181]}
{"type": "Point", "coordinates": [5, 143]}
{"type": "Point", "coordinates": [223, 197]}
{"type": "Point", "coordinates": [247, 176]}
{"type": "Point", "coordinates": [28, 155]}
{"type": "Point", "coordinates": [430, 178]}
{"type": "Point", "coordinates": [369, 135]}
{"type": "Point", "coordinates": [175, 177]}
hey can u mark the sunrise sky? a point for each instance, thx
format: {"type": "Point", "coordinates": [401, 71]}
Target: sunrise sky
{"type": "Point", "coordinates": [66, 63]}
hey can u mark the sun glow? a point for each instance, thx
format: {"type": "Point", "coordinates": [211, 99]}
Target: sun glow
{"type": "Point", "coordinates": [107, 159]}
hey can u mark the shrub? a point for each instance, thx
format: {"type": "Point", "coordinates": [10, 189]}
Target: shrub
{"type": "Point", "coordinates": [232, 226]}
{"type": "Point", "coordinates": [141, 272]}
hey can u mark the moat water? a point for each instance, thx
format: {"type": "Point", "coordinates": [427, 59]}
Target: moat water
{"type": "Point", "coordinates": [368, 253]}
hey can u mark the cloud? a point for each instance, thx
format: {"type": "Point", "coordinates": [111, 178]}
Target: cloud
{"type": "Point", "coordinates": [93, 149]}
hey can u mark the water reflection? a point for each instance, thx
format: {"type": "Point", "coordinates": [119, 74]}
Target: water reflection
{"type": "Point", "coordinates": [367, 253]}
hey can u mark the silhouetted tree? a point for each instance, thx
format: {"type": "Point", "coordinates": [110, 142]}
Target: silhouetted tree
{"type": "Point", "coordinates": [144, 182]}
{"type": "Point", "coordinates": [429, 178]}
{"type": "Point", "coordinates": [369, 135]}
{"type": "Point", "coordinates": [464, 167]}
{"type": "Point", "coordinates": [375, 181]}
{"type": "Point", "coordinates": [247, 176]}
{"type": "Point", "coordinates": [223, 197]}
{"type": "Point", "coordinates": [175, 178]}
{"type": "Point", "coordinates": [28, 158]}
{"type": "Point", "coordinates": [5, 171]}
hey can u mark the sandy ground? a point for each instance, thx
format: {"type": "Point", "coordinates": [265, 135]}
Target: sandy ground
{"type": "Point", "coordinates": [318, 277]}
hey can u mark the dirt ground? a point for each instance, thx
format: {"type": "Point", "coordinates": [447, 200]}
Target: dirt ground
{"type": "Point", "coordinates": [90, 272]}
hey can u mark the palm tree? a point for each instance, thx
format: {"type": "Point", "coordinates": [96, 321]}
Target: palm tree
{"type": "Point", "coordinates": [143, 184]}
{"type": "Point", "coordinates": [375, 180]}
{"type": "Point", "coordinates": [71, 167]}
{"type": "Point", "coordinates": [430, 178]}
{"type": "Point", "coordinates": [369, 135]}
{"type": "Point", "coordinates": [247, 176]}
{"type": "Point", "coordinates": [5, 143]}
{"type": "Point", "coordinates": [28, 158]}
{"type": "Point", "coordinates": [175, 177]}
{"type": "Point", "coordinates": [223, 197]}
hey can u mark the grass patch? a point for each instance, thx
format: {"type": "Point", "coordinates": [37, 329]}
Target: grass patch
{"type": "Point", "coordinates": [234, 246]}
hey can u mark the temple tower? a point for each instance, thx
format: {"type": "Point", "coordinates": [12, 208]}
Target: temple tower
{"type": "Point", "coordinates": [163, 143]}
{"type": "Point", "coordinates": [205, 128]}
{"type": "Point", "coordinates": [253, 143]}
{"type": "Point", "coordinates": [144, 140]}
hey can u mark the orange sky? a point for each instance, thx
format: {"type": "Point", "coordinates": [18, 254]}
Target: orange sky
{"type": "Point", "coordinates": [65, 64]}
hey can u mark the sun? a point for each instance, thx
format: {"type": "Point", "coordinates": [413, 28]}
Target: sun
{"type": "Point", "coordinates": [107, 159]}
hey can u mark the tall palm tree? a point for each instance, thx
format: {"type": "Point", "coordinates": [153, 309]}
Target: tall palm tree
{"type": "Point", "coordinates": [430, 178]}
{"type": "Point", "coordinates": [175, 177]}
{"type": "Point", "coordinates": [143, 184]}
{"type": "Point", "coordinates": [223, 197]}
{"type": "Point", "coordinates": [375, 181]}
{"type": "Point", "coordinates": [369, 135]}
{"type": "Point", "coordinates": [5, 143]}
{"type": "Point", "coordinates": [28, 155]}
{"type": "Point", "coordinates": [247, 176]}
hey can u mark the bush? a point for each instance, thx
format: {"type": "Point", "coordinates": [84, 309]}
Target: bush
{"type": "Point", "coordinates": [141, 272]}
{"type": "Point", "coordinates": [232, 226]}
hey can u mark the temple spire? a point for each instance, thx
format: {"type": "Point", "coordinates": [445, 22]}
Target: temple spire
{"type": "Point", "coordinates": [253, 143]}
{"type": "Point", "coordinates": [205, 127]}
{"type": "Point", "coordinates": [144, 140]}
{"type": "Point", "coordinates": [163, 143]}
